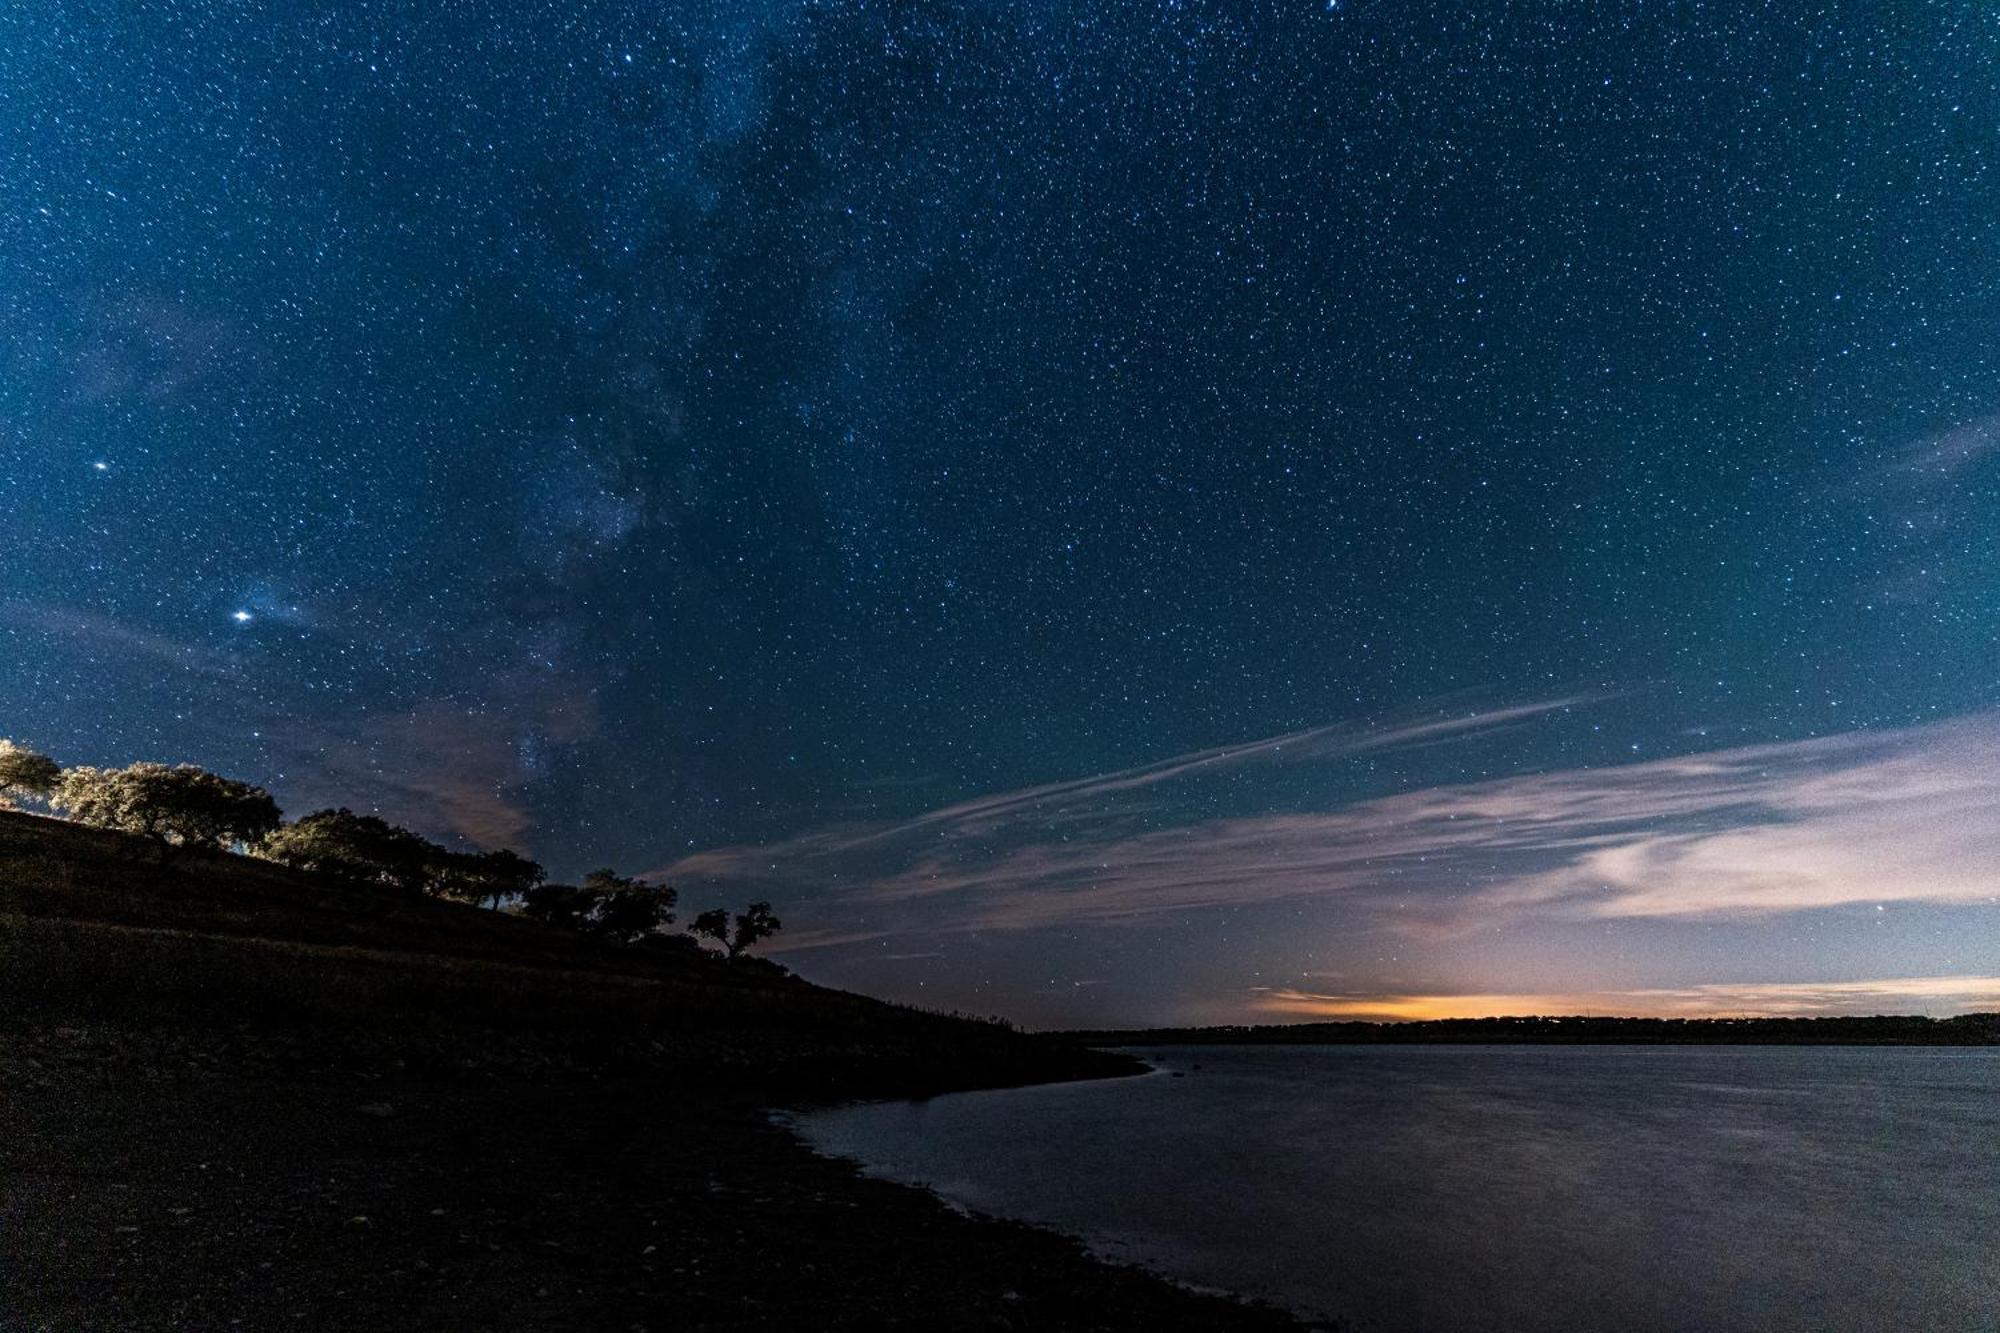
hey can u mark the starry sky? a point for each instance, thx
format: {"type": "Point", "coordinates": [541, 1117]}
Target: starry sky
{"type": "Point", "coordinates": [1189, 511]}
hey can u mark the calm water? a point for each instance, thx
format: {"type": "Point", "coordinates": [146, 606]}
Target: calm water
{"type": "Point", "coordinates": [1515, 1188]}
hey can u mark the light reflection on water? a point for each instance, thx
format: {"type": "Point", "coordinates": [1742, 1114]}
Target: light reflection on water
{"type": "Point", "coordinates": [1516, 1187]}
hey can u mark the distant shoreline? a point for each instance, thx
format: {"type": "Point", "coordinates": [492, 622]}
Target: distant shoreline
{"type": "Point", "coordinates": [1571, 1030]}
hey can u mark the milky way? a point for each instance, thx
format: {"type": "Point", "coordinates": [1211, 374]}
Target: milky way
{"type": "Point", "coordinates": [695, 436]}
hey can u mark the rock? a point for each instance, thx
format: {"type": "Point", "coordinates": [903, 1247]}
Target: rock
{"type": "Point", "coordinates": [380, 1110]}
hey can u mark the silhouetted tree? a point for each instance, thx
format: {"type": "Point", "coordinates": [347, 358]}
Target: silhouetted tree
{"type": "Point", "coordinates": [712, 924]}
{"type": "Point", "coordinates": [755, 922]}
{"type": "Point", "coordinates": [508, 873]}
{"type": "Point", "coordinates": [26, 774]}
{"type": "Point", "coordinates": [628, 910]}
{"type": "Point", "coordinates": [606, 904]}
{"type": "Point", "coordinates": [670, 943]}
{"type": "Point", "coordinates": [608, 880]}
{"type": "Point", "coordinates": [478, 877]}
{"type": "Point", "coordinates": [362, 848]}
{"type": "Point", "coordinates": [370, 850]}
{"type": "Point", "coordinates": [559, 905]}
{"type": "Point", "coordinates": [175, 807]}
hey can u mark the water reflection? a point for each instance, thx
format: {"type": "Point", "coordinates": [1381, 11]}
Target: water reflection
{"type": "Point", "coordinates": [1518, 1188]}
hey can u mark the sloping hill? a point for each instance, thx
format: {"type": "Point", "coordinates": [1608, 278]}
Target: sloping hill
{"type": "Point", "coordinates": [243, 1097]}
{"type": "Point", "coordinates": [93, 927]}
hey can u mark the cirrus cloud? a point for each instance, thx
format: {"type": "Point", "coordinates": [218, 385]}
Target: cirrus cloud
{"type": "Point", "coordinates": [1868, 817]}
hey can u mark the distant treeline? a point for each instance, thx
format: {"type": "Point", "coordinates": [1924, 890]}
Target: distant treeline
{"type": "Point", "coordinates": [1879, 1030]}
{"type": "Point", "coordinates": [180, 807]}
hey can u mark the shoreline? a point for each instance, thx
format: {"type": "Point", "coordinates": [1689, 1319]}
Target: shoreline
{"type": "Point", "coordinates": [165, 1181]}
{"type": "Point", "coordinates": [786, 1117]}
{"type": "Point", "coordinates": [245, 1096]}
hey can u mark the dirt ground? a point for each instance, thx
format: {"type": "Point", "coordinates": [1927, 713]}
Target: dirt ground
{"type": "Point", "coordinates": [154, 1181]}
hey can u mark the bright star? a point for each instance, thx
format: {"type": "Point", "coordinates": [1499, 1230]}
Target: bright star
{"type": "Point", "coordinates": [240, 617]}
{"type": "Point", "coordinates": [101, 467]}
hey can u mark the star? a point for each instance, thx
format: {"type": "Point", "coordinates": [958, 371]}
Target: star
{"type": "Point", "coordinates": [1033, 491]}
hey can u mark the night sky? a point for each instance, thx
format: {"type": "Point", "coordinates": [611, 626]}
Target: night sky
{"type": "Point", "coordinates": [1219, 509]}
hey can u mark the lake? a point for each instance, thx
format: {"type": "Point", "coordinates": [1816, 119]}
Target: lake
{"type": "Point", "coordinates": [1503, 1187]}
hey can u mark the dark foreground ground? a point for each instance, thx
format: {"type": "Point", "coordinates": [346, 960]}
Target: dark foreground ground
{"type": "Point", "coordinates": [140, 1188]}
{"type": "Point", "coordinates": [193, 1140]}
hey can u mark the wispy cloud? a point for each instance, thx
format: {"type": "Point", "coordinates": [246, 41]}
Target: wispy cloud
{"type": "Point", "coordinates": [1951, 451]}
{"type": "Point", "coordinates": [1026, 844]}
{"type": "Point", "coordinates": [1921, 502]}
{"type": "Point", "coordinates": [149, 346]}
{"type": "Point", "coordinates": [1336, 739]}
{"type": "Point", "coordinates": [1804, 999]}
{"type": "Point", "coordinates": [439, 766]}
{"type": "Point", "coordinates": [1909, 815]}
{"type": "Point", "coordinates": [1863, 818]}
{"type": "Point", "coordinates": [89, 633]}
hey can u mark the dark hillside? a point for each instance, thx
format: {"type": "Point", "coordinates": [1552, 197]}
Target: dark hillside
{"type": "Point", "coordinates": [238, 1096]}
{"type": "Point", "coordinates": [93, 928]}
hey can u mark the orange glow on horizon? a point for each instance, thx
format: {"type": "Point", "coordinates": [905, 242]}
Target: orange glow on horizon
{"type": "Point", "coordinates": [1421, 1008]}
{"type": "Point", "coordinates": [1956, 994]}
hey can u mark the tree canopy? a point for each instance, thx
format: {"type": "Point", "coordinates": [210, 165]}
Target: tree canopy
{"type": "Point", "coordinates": [607, 904]}
{"type": "Point", "coordinates": [754, 923]}
{"type": "Point", "coordinates": [558, 905]}
{"type": "Point", "coordinates": [26, 774]}
{"type": "Point", "coordinates": [628, 910]}
{"type": "Point", "coordinates": [185, 806]}
{"type": "Point", "coordinates": [712, 924]}
{"type": "Point", "coordinates": [478, 877]}
{"type": "Point", "coordinates": [363, 848]}
{"type": "Point", "coordinates": [180, 805]}
{"type": "Point", "coordinates": [370, 850]}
